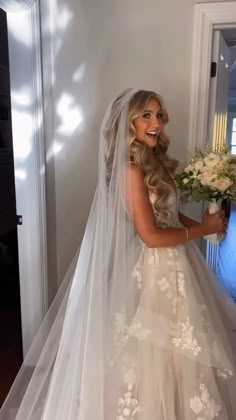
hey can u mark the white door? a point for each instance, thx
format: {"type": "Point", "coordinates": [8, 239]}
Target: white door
{"type": "Point", "coordinates": [28, 144]}
{"type": "Point", "coordinates": [218, 105]}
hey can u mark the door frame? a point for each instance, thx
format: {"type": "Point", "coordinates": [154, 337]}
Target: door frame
{"type": "Point", "coordinates": [207, 18]}
{"type": "Point", "coordinates": [32, 240]}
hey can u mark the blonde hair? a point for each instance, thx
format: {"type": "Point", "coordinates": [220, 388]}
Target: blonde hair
{"type": "Point", "coordinates": [152, 161]}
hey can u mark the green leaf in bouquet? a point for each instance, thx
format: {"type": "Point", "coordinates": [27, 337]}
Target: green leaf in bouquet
{"type": "Point", "coordinates": [205, 196]}
{"type": "Point", "coordinates": [196, 185]}
{"type": "Point", "coordinates": [196, 195]}
{"type": "Point", "coordinates": [188, 184]}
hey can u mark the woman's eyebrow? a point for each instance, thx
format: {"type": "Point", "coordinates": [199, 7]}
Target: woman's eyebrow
{"type": "Point", "coordinates": [152, 112]}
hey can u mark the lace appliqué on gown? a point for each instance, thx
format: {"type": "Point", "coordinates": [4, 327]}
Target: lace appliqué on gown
{"type": "Point", "coordinates": [137, 276]}
{"type": "Point", "coordinates": [183, 337]}
{"type": "Point", "coordinates": [173, 286]}
{"type": "Point", "coordinates": [203, 405]}
{"type": "Point", "coordinates": [225, 373]}
{"type": "Point", "coordinates": [128, 405]}
{"type": "Point", "coordinates": [123, 332]}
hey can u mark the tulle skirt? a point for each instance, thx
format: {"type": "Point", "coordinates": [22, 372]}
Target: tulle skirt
{"type": "Point", "coordinates": [173, 359]}
{"type": "Point", "coordinates": [168, 355]}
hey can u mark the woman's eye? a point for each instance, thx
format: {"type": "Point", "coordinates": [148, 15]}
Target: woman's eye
{"type": "Point", "coordinates": [160, 116]}
{"type": "Point", "coordinates": [146, 115]}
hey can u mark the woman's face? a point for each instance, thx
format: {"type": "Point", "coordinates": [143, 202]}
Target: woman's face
{"type": "Point", "coordinates": [149, 123]}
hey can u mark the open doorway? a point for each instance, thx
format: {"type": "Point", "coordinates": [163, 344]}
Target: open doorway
{"type": "Point", "coordinates": [208, 18]}
{"type": "Point", "coordinates": [222, 257]}
{"type": "Point", "coordinates": [226, 260]}
{"type": "Point", "coordinates": [10, 310]}
{"type": "Point", "coordinates": [24, 48]}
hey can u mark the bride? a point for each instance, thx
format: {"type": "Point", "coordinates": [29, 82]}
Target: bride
{"type": "Point", "coordinates": [141, 328]}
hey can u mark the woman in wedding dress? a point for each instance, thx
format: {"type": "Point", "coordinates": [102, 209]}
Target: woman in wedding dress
{"type": "Point", "coordinates": [144, 330]}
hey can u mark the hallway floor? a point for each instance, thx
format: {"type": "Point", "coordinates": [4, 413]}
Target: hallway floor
{"type": "Point", "coordinates": [10, 350]}
{"type": "Point", "coordinates": [10, 313]}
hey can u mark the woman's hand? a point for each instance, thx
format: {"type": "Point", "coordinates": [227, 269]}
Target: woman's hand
{"type": "Point", "coordinates": [214, 223]}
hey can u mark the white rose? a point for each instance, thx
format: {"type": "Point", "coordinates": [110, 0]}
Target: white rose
{"type": "Point", "coordinates": [212, 159]}
{"type": "Point", "coordinates": [233, 169]}
{"type": "Point", "coordinates": [202, 180]}
{"type": "Point", "coordinates": [222, 184]}
{"type": "Point", "coordinates": [226, 157]}
{"type": "Point", "coordinates": [221, 165]}
{"type": "Point", "coordinates": [199, 164]}
{"type": "Point", "coordinates": [205, 181]}
{"type": "Point", "coordinates": [200, 176]}
{"type": "Point", "coordinates": [206, 178]}
{"type": "Point", "coordinates": [205, 169]}
{"type": "Point", "coordinates": [189, 168]}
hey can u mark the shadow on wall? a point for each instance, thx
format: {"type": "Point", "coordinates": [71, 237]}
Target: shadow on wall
{"type": "Point", "coordinates": [65, 119]}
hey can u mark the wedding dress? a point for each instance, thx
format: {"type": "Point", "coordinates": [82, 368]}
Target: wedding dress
{"type": "Point", "coordinates": [135, 333]}
{"type": "Point", "coordinates": [174, 356]}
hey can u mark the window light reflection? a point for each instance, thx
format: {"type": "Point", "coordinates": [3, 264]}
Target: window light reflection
{"type": "Point", "coordinates": [57, 147]}
{"type": "Point", "coordinates": [18, 24]}
{"type": "Point", "coordinates": [64, 17]}
{"type": "Point", "coordinates": [54, 150]}
{"type": "Point", "coordinates": [20, 98]}
{"type": "Point", "coordinates": [20, 174]}
{"type": "Point", "coordinates": [79, 74]}
{"type": "Point", "coordinates": [58, 44]}
{"type": "Point", "coordinates": [70, 115]}
{"type": "Point", "coordinates": [22, 131]}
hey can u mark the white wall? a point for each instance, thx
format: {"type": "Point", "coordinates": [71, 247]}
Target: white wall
{"type": "Point", "coordinates": [110, 45]}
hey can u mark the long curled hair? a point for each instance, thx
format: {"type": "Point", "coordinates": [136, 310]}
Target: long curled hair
{"type": "Point", "coordinates": [152, 161]}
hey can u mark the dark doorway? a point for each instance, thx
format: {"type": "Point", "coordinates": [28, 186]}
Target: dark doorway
{"type": "Point", "coordinates": [10, 314]}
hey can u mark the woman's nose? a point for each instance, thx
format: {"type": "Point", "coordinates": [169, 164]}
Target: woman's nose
{"type": "Point", "coordinates": [157, 122]}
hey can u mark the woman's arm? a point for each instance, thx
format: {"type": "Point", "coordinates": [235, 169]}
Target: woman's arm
{"type": "Point", "coordinates": [186, 221]}
{"type": "Point", "coordinates": [144, 221]}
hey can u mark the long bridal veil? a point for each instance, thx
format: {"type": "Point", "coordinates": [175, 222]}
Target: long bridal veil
{"type": "Point", "coordinates": [102, 322]}
{"type": "Point", "coordinates": [62, 376]}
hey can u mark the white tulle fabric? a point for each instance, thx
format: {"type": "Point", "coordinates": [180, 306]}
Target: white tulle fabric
{"type": "Point", "coordinates": [134, 333]}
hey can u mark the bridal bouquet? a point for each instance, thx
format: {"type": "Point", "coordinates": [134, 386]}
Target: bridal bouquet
{"type": "Point", "coordinates": [209, 176]}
